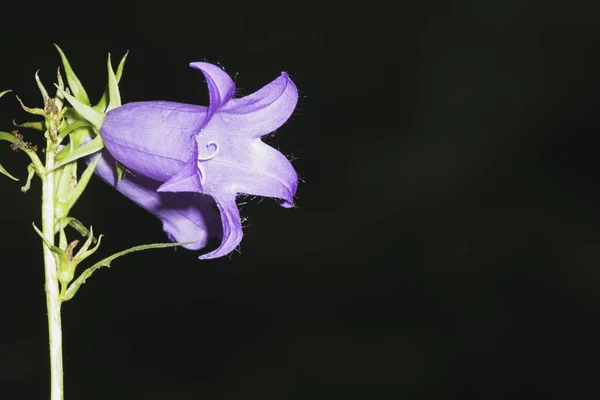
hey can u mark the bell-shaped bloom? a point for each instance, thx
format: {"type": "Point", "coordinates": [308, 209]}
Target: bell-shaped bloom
{"type": "Point", "coordinates": [185, 159]}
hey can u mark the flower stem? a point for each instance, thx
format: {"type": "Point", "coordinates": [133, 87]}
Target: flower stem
{"type": "Point", "coordinates": [53, 302]}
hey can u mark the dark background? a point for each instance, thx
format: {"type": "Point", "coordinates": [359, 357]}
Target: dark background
{"type": "Point", "coordinates": [446, 240]}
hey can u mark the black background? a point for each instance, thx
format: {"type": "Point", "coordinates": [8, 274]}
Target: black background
{"type": "Point", "coordinates": [446, 240]}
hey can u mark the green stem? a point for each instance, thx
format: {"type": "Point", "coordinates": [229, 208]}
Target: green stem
{"type": "Point", "coordinates": [53, 302]}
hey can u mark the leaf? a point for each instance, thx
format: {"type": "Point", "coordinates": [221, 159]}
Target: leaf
{"type": "Point", "coordinates": [102, 104]}
{"type": "Point", "coordinates": [42, 88]}
{"type": "Point", "coordinates": [30, 173]}
{"type": "Point", "coordinates": [38, 125]}
{"type": "Point", "coordinates": [87, 112]}
{"type": "Point", "coordinates": [6, 173]}
{"type": "Point", "coordinates": [120, 169]}
{"type": "Point", "coordinates": [114, 97]}
{"type": "Point", "coordinates": [70, 128]}
{"type": "Point", "coordinates": [34, 111]}
{"type": "Point", "coordinates": [77, 191]}
{"type": "Point", "coordinates": [74, 287]}
{"type": "Point", "coordinates": [74, 83]}
{"type": "Point", "coordinates": [9, 137]}
{"type": "Point", "coordinates": [120, 67]}
{"type": "Point", "coordinates": [84, 150]}
{"type": "Point", "coordinates": [8, 91]}
{"type": "Point", "coordinates": [75, 224]}
{"type": "Point", "coordinates": [83, 252]}
{"type": "Point", "coordinates": [61, 256]}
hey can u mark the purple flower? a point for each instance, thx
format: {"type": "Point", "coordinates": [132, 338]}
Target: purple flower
{"type": "Point", "coordinates": [186, 158]}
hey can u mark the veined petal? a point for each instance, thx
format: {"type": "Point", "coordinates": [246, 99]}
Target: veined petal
{"type": "Point", "coordinates": [186, 180]}
{"type": "Point", "coordinates": [232, 227]}
{"type": "Point", "coordinates": [216, 151]}
{"type": "Point", "coordinates": [186, 217]}
{"type": "Point", "coordinates": [261, 112]}
{"type": "Point", "coordinates": [255, 169]}
{"type": "Point", "coordinates": [154, 139]}
{"type": "Point", "coordinates": [220, 86]}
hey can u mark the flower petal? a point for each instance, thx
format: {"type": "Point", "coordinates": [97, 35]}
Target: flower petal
{"type": "Point", "coordinates": [254, 168]}
{"type": "Point", "coordinates": [232, 227]}
{"type": "Point", "coordinates": [155, 138]}
{"type": "Point", "coordinates": [261, 112]}
{"type": "Point", "coordinates": [186, 217]}
{"type": "Point", "coordinates": [220, 86]}
{"type": "Point", "coordinates": [186, 180]}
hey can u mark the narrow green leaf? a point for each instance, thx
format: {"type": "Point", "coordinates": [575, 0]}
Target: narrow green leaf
{"type": "Point", "coordinates": [59, 253]}
{"type": "Point", "coordinates": [74, 287]}
{"type": "Point", "coordinates": [34, 111]}
{"type": "Point", "coordinates": [4, 92]}
{"type": "Point", "coordinates": [76, 192]}
{"type": "Point", "coordinates": [74, 83]}
{"type": "Point", "coordinates": [120, 169]}
{"type": "Point", "coordinates": [6, 173]}
{"type": "Point", "coordinates": [30, 173]}
{"type": "Point", "coordinates": [75, 224]}
{"type": "Point", "coordinates": [60, 81]}
{"type": "Point", "coordinates": [65, 180]}
{"type": "Point", "coordinates": [114, 97]}
{"type": "Point", "coordinates": [9, 137]}
{"type": "Point", "coordinates": [59, 100]}
{"type": "Point", "coordinates": [42, 88]}
{"type": "Point", "coordinates": [62, 133]}
{"type": "Point", "coordinates": [121, 66]}
{"type": "Point", "coordinates": [38, 125]}
{"type": "Point", "coordinates": [84, 150]}
{"type": "Point", "coordinates": [101, 106]}
{"type": "Point", "coordinates": [87, 112]}
{"type": "Point", "coordinates": [83, 252]}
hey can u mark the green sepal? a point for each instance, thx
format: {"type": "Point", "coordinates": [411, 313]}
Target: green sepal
{"type": "Point", "coordinates": [83, 252]}
{"type": "Point", "coordinates": [4, 172]}
{"type": "Point", "coordinates": [66, 262]}
{"type": "Point", "coordinates": [119, 73]}
{"type": "Point", "coordinates": [30, 173]}
{"type": "Point", "coordinates": [34, 111]}
{"type": "Point", "coordinates": [7, 91]}
{"type": "Point", "coordinates": [81, 132]}
{"type": "Point", "coordinates": [87, 112]}
{"type": "Point", "coordinates": [120, 169]}
{"type": "Point", "coordinates": [59, 254]}
{"type": "Point", "coordinates": [61, 84]}
{"type": "Point", "coordinates": [114, 97]}
{"type": "Point", "coordinates": [62, 133]}
{"type": "Point", "coordinates": [41, 87]}
{"type": "Point", "coordinates": [77, 191]}
{"type": "Point", "coordinates": [75, 224]}
{"type": "Point", "coordinates": [102, 104]}
{"type": "Point", "coordinates": [84, 150]}
{"type": "Point", "coordinates": [74, 82]}
{"type": "Point", "coordinates": [65, 181]}
{"type": "Point", "coordinates": [81, 279]}
{"type": "Point", "coordinates": [38, 125]}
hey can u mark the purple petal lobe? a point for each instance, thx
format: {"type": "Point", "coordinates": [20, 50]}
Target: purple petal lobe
{"type": "Point", "coordinates": [232, 227]}
{"type": "Point", "coordinates": [261, 112]}
{"type": "Point", "coordinates": [220, 85]}
{"type": "Point", "coordinates": [186, 217]}
{"type": "Point", "coordinates": [186, 180]}
{"type": "Point", "coordinates": [252, 167]}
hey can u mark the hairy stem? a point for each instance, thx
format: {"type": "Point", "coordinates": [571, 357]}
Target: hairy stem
{"type": "Point", "coordinates": [50, 267]}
